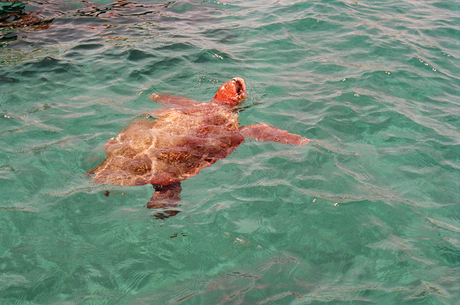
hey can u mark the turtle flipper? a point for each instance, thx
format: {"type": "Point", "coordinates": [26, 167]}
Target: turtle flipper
{"type": "Point", "coordinates": [171, 99]}
{"type": "Point", "coordinates": [264, 132]}
{"type": "Point", "coordinates": [165, 197]}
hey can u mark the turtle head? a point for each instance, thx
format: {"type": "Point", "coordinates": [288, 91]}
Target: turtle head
{"type": "Point", "coordinates": [231, 93]}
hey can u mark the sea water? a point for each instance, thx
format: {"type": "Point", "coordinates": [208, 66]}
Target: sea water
{"type": "Point", "coordinates": [368, 212]}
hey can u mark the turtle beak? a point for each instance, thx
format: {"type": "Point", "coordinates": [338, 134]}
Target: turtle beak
{"type": "Point", "coordinates": [240, 88]}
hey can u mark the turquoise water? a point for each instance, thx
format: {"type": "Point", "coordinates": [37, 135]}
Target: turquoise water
{"type": "Point", "coordinates": [367, 213]}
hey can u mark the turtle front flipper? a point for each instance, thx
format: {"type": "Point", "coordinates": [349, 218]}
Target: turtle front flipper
{"type": "Point", "coordinates": [171, 99]}
{"type": "Point", "coordinates": [165, 197]}
{"type": "Point", "coordinates": [264, 132]}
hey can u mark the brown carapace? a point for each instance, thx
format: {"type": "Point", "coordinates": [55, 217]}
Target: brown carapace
{"type": "Point", "coordinates": [183, 139]}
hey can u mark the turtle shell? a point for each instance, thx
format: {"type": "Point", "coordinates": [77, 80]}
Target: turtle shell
{"type": "Point", "coordinates": [174, 146]}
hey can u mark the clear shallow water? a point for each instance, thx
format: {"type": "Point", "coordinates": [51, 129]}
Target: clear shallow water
{"type": "Point", "coordinates": [369, 214]}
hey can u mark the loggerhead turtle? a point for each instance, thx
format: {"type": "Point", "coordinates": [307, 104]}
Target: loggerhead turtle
{"type": "Point", "coordinates": [184, 138]}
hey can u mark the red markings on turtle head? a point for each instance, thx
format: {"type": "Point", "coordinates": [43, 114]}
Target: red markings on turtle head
{"type": "Point", "coordinates": [232, 92]}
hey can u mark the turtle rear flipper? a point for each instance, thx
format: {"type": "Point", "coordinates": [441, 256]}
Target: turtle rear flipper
{"type": "Point", "coordinates": [165, 197]}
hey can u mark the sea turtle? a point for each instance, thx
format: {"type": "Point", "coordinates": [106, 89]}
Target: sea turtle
{"type": "Point", "coordinates": [183, 139]}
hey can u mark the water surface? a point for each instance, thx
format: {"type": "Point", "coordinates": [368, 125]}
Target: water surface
{"type": "Point", "coordinates": [368, 213]}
